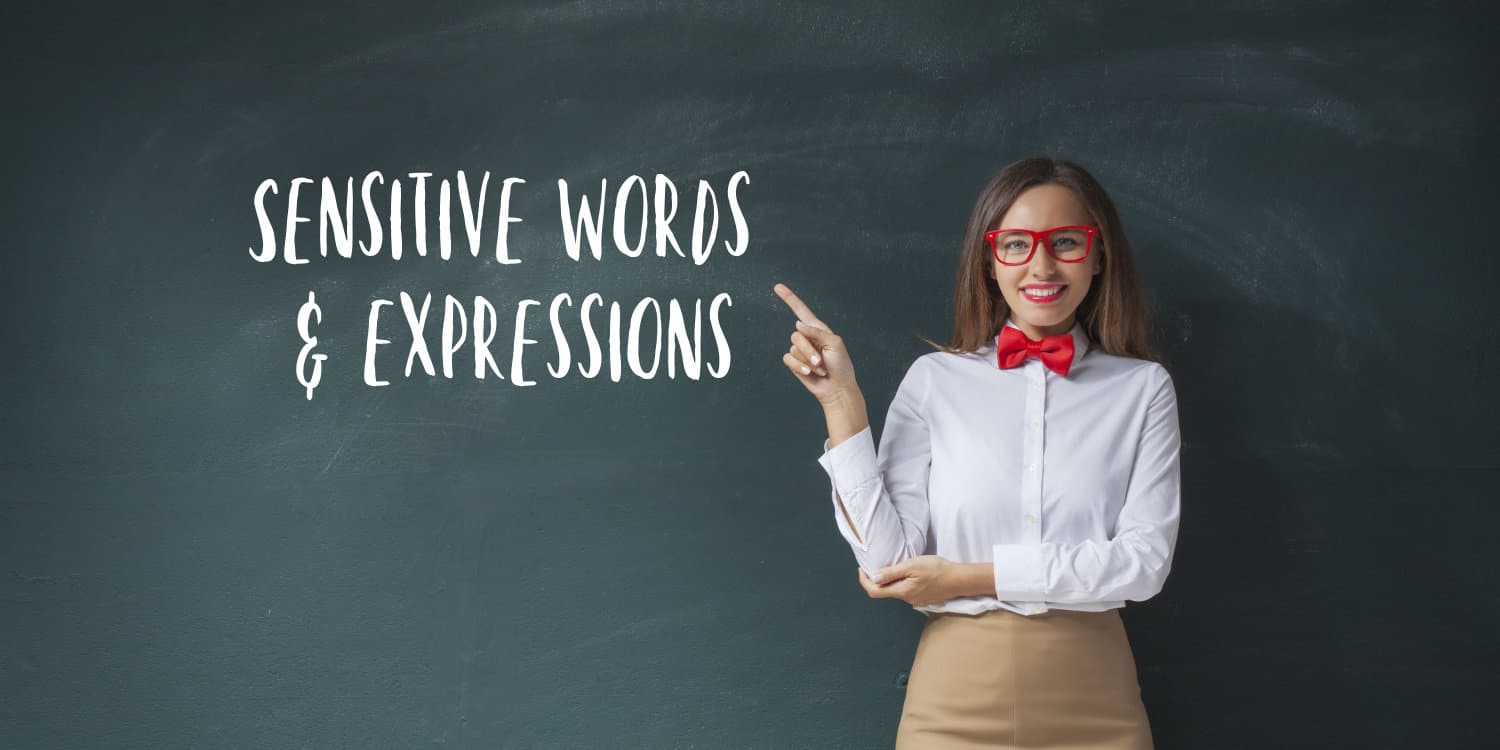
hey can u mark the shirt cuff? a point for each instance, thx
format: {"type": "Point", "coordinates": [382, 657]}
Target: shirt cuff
{"type": "Point", "coordinates": [850, 464]}
{"type": "Point", "coordinates": [1020, 573]}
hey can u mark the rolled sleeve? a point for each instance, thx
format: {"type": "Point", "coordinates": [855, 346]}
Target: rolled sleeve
{"type": "Point", "coordinates": [1020, 572]}
{"type": "Point", "coordinates": [884, 490]}
{"type": "Point", "coordinates": [851, 467]}
{"type": "Point", "coordinates": [851, 464]}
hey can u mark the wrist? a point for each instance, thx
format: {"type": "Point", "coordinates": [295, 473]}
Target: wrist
{"type": "Point", "coordinates": [845, 416]}
{"type": "Point", "coordinates": [844, 402]}
{"type": "Point", "coordinates": [978, 579]}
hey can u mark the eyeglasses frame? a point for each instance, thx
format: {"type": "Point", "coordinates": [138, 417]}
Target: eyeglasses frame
{"type": "Point", "coordinates": [1039, 237]}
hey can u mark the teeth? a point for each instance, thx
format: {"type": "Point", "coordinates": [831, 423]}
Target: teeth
{"type": "Point", "coordinates": [1041, 293]}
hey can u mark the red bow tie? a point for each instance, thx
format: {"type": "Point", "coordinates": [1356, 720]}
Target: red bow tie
{"type": "Point", "coordinates": [1013, 347]}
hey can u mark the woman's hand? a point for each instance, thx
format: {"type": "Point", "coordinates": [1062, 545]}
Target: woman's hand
{"type": "Point", "coordinates": [817, 356]}
{"type": "Point", "coordinates": [918, 581]}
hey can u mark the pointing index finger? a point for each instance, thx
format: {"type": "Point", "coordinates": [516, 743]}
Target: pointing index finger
{"type": "Point", "coordinates": [804, 313]}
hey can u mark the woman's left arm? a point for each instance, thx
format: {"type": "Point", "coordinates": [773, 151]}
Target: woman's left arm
{"type": "Point", "coordinates": [1135, 563]}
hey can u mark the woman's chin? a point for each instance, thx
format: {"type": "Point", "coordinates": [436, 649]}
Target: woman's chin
{"type": "Point", "coordinates": [1042, 316]}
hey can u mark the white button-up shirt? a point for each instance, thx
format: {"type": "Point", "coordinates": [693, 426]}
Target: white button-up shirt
{"type": "Point", "coordinates": [1070, 486]}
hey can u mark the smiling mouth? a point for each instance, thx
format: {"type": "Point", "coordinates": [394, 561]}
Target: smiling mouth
{"type": "Point", "coordinates": [1044, 295]}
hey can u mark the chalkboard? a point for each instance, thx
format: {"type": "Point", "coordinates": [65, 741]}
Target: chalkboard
{"type": "Point", "coordinates": [199, 550]}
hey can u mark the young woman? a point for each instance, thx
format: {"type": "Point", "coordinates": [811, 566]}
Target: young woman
{"type": "Point", "coordinates": [1027, 481]}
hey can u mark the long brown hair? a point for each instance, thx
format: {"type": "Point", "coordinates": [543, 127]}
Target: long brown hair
{"type": "Point", "coordinates": [1115, 311]}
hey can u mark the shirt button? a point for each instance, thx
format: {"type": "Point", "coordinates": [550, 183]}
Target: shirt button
{"type": "Point", "coordinates": [1036, 423]}
{"type": "Point", "coordinates": [1030, 518]}
{"type": "Point", "coordinates": [1031, 467]}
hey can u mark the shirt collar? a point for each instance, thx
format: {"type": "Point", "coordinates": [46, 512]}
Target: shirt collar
{"type": "Point", "coordinates": [1080, 339]}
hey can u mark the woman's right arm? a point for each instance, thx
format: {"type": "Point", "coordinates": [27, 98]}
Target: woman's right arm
{"type": "Point", "coordinates": [880, 497]}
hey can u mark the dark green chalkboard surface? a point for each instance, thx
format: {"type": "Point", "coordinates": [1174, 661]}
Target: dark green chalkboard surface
{"type": "Point", "coordinates": [195, 554]}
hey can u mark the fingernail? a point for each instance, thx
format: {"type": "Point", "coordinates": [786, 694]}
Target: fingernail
{"type": "Point", "coordinates": [822, 371]}
{"type": "Point", "coordinates": [800, 324]}
{"type": "Point", "coordinates": [805, 371]}
{"type": "Point", "coordinates": [815, 359]}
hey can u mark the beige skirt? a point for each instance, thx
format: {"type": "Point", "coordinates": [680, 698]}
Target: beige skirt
{"type": "Point", "coordinates": [1060, 679]}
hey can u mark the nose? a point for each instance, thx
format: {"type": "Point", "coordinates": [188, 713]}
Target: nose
{"type": "Point", "coordinates": [1042, 260]}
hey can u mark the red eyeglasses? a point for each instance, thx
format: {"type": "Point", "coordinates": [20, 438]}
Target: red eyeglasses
{"type": "Point", "coordinates": [1014, 247]}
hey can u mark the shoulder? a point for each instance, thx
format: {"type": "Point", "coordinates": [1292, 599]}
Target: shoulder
{"type": "Point", "coordinates": [1150, 378]}
{"type": "Point", "coordinates": [919, 372]}
{"type": "Point", "coordinates": [941, 364]}
{"type": "Point", "coordinates": [936, 371]}
{"type": "Point", "coordinates": [1132, 366]}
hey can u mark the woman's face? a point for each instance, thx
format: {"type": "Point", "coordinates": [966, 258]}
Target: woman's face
{"type": "Point", "coordinates": [1038, 208]}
